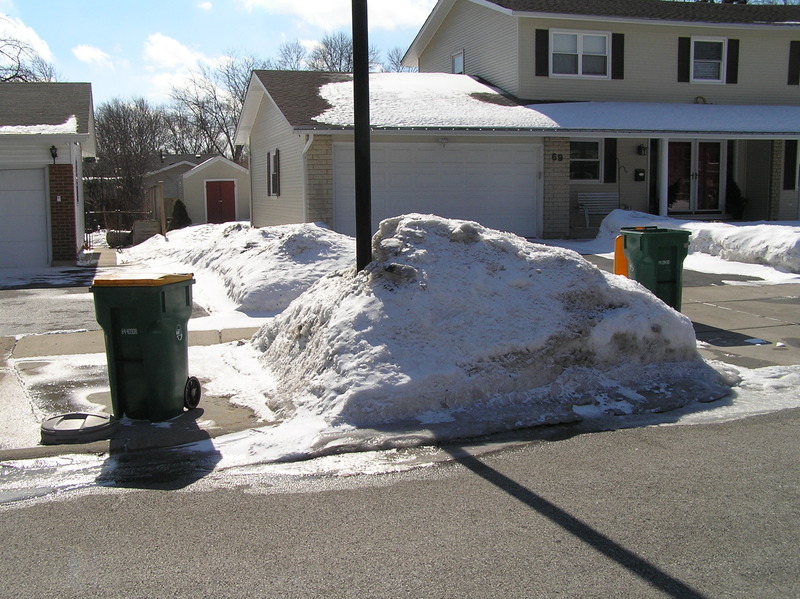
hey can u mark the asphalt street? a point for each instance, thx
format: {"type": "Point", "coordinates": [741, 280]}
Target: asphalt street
{"type": "Point", "coordinates": [673, 511]}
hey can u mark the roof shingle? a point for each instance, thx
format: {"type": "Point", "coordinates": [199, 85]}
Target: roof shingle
{"type": "Point", "coordinates": [667, 10]}
{"type": "Point", "coordinates": [29, 104]}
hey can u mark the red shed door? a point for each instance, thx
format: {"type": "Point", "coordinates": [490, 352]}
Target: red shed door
{"type": "Point", "coordinates": [220, 201]}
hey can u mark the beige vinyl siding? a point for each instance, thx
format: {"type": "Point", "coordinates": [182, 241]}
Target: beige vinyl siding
{"type": "Point", "coordinates": [651, 58]}
{"type": "Point", "coordinates": [271, 132]}
{"type": "Point", "coordinates": [488, 39]}
{"type": "Point", "coordinates": [32, 151]}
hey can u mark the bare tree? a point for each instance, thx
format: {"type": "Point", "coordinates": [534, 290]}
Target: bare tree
{"type": "Point", "coordinates": [20, 62]}
{"type": "Point", "coordinates": [291, 57]}
{"type": "Point", "coordinates": [183, 137]}
{"type": "Point", "coordinates": [212, 102]}
{"type": "Point", "coordinates": [129, 136]}
{"type": "Point", "coordinates": [334, 53]}
{"type": "Point", "coordinates": [394, 62]}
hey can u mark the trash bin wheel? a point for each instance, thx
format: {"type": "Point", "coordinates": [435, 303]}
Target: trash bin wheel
{"type": "Point", "coordinates": [191, 393]}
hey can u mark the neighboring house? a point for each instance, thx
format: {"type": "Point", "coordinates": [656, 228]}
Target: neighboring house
{"type": "Point", "coordinates": [658, 106]}
{"type": "Point", "coordinates": [46, 132]}
{"type": "Point", "coordinates": [216, 191]}
{"type": "Point", "coordinates": [168, 171]}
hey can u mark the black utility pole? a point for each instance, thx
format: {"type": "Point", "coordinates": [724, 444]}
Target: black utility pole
{"type": "Point", "coordinates": [363, 185]}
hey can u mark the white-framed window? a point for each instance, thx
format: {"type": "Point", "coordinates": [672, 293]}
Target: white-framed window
{"type": "Point", "coordinates": [274, 173]}
{"type": "Point", "coordinates": [457, 63]}
{"type": "Point", "coordinates": [585, 160]}
{"type": "Point", "coordinates": [580, 54]}
{"type": "Point", "coordinates": [708, 60]}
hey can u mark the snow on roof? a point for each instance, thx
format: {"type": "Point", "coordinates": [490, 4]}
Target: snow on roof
{"type": "Point", "coordinates": [429, 100]}
{"type": "Point", "coordinates": [65, 128]}
{"type": "Point", "coordinates": [435, 100]}
{"type": "Point", "coordinates": [667, 117]}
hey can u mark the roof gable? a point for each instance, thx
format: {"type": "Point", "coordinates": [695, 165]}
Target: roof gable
{"type": "Point", "coordinates": [212, 161]}
{"type": "Point", "coordinates": [32, 104]}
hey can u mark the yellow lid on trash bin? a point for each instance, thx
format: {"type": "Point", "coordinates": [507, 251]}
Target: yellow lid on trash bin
{"type": "Point", "coordinates": [141, 279]}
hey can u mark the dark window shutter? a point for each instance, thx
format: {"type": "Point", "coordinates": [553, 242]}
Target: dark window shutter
{"type": "Point", "coordinates": [610, 160]}
{"type": "Point", "coordinates": [269, 174]}
{"type": "Point", "coordinates": [542, 53]}
{"type": "Point", "coordinates": [794, 63]}
{"type": "Point", "coordinates": [790, 164]}
{"type": "Point", "coordinates": [618, 56]}
{"type": "Point", "coordinates": [276, 185]}
{"type": "Point", "coordinates": [684, 57]}
{"type": "Point", "coordinates": [732, 68]}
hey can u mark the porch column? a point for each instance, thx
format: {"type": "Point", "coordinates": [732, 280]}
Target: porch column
{"type": "Point", "coordinates": [663, 177]}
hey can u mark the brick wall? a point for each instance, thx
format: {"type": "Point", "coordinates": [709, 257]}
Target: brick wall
{"type": "Point", "coordinates": [62, 213]}
{"type": "Point", "coordinates": [556, 188]}
{"type": "Point", "coordinates": [319, 180]}
{"type": "Point", "coordinates": [776, 180]}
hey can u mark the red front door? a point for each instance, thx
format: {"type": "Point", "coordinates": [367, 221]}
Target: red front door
{"type": "Point", "coordinates": [220, 201]}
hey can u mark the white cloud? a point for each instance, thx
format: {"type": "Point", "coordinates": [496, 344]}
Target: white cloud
{"type": "Point", "coordinates": [12, 27]}
{"type": "Point", "coordinates": [168, 53]}
{"type": "Point", "coordinates": [205, 5]}
{"type": "Point", "coordinates": [171, 64]}
{"type": "Point", "coordinates": [92, 55]}
{"type": "Point", "coordinates": [333, 14]}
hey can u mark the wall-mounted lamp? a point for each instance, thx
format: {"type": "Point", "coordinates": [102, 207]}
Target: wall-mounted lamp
{"type": "Point", "coordinates": [443, 141]}
{"type": "Point", "coordinates": [54, 153]}
{"type": "Point", "coordinates": [642, 150]}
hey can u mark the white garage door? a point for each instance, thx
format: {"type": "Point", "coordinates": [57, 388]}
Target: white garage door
{"type": "Point", "coordinates": [496, 185]}
{"type": "Point", "coordinates": [23, 218]}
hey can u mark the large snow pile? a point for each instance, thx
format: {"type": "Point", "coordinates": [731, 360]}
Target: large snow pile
{"type": "Point", "coordinates": [469, 330]}
{"type": "Point", "coordinates": [772, 244]}
{"type": "Point", "coordinates": [261, 270]}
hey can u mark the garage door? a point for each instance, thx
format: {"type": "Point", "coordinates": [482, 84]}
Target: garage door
{"type": "Point", "coordinates": [23, 218]}
{"type": "Point", "coordinates": [497, 185]}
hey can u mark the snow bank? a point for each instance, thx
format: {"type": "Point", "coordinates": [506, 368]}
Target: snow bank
{"type": "Point", "coordinates": [261, 270]}
{"type": "Point", "coordinates": [771, 244]}
{"type": "Point", "coordinates": [468, 330]}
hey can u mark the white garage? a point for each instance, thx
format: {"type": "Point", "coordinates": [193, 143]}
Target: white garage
{"type": "Point", "coordinates": [23, 226]}
{"type": "Point", "coordinates": [495, 184]}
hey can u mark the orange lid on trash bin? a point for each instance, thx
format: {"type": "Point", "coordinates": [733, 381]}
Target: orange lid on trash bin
{"type": "Point", "coordinates": [141, 279]}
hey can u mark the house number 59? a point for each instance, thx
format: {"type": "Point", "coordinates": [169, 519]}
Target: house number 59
{"type": "Point", "coordinates": [557, 157]}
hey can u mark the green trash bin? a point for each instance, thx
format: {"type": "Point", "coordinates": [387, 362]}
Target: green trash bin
{"type": "Point", "coordinates": [144, 318]}
{"type": "Point", "coordinates": [655, 259]}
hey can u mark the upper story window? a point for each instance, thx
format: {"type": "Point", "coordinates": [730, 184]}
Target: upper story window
{"type": "Point", "coordinates": [579, 54]}
{"type": "Point", "coordinates": [457, 63]}
{"type": "Point", "coordinates": [708, 60]}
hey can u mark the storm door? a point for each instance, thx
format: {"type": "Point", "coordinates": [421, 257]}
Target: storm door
{"type": "Point", "coordinates": [695, 176]}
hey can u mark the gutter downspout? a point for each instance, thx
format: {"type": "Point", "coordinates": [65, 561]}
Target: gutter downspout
{"type": "Point", "coordinates": [306, 148]}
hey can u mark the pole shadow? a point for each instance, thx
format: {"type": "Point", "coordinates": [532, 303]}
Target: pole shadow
{"type": "Point", "coordinates": [597, 540]}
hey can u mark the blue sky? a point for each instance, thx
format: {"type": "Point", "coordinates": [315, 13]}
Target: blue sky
{"type": "Point", "coordinates": [131, 48]}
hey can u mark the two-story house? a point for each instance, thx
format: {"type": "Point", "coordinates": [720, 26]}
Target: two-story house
{"type": "Point", "coordinates": [540, 116]}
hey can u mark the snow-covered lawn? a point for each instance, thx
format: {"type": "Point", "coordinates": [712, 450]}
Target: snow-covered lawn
{"type": "Point", "coordinates": [454, 330]}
